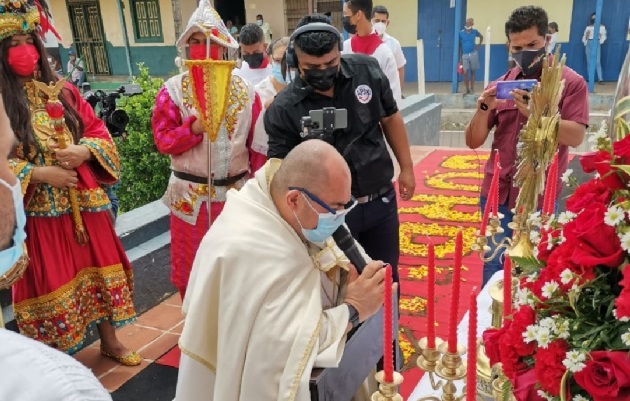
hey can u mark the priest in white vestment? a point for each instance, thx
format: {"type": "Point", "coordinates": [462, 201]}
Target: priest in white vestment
{"type": "Point", "coordinates": [256, 317]}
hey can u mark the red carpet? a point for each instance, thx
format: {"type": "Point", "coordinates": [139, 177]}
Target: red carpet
{"type": "Point", "coordinates": [446, 200]}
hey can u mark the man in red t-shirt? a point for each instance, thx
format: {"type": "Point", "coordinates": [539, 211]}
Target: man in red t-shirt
{"type": "Point", "coordinates": [526, 30]}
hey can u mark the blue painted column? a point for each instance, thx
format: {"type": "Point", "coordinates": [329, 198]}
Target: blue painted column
{"type": "Point", "coordinates": [458, 19]}
{"type": "Point", "coordinates": [591, 68]}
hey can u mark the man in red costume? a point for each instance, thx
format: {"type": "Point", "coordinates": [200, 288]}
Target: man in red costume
{"type": "Point", "coordinates": [179, 133]}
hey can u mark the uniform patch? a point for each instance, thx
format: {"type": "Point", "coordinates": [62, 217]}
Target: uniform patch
{"type": "Point", "coordinates": [364, 94]}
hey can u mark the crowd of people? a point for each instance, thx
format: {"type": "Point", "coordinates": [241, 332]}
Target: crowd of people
{"type": "Point", "coordinates": [252, 212]}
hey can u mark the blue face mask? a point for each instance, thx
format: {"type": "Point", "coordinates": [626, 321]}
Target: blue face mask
{"type": "Point", "coordinates": [9, 257]}
{"type": "Point", "coordinates": [276, 69]}
{"type": "Point", "coordinates": [327, 224]}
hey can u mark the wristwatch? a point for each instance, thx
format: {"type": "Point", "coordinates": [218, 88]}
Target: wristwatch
{"type": "Point", "coordinates": [354, 316]}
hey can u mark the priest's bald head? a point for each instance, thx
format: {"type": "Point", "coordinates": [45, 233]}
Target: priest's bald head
{"type": "Point", "coordinates": [314, 180]}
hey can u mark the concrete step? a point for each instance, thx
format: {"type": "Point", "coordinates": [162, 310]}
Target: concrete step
{"type": "Point", "coordinates": [597, 101]}
{"type": "Point", "coordinates": [456, 139]}
{"type": "Point", "coordinates": [457, 119]}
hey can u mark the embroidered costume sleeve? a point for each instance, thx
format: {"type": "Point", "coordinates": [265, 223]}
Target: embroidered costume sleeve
{"type": "Point", "coordinates": [256, 160]}
{"type": "Point", "coordinates": [172, 135]}
{"type": "Point", "coordinates": [105, 164]}
{"type": "Point", "coordinates": [23, 170]}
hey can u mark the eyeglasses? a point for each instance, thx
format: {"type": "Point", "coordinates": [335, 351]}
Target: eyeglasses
{"type": "Point", "coordinates": [346, 208]}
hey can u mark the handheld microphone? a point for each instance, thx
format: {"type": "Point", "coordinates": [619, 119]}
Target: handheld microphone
{"type": "Point", "coordinates": [348, 246]}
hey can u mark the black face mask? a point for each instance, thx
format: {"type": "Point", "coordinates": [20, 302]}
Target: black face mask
{"type": "Point", "coordinates": [530, 61]}
{"type": "Point", "coordinates": [321, 80]}
{"type": "Point", "coordinates": [347, 25]}
{"type": "Point", "coordinates": [254, 60]}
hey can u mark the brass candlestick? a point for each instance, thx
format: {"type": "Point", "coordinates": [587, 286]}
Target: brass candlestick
{"type": "Point", "coordinates": [387, 391]}
{"type": "Point", "coordinates": [448, 366]}
{"type": "Point", "coordinates": [429, 358]}
{"type": "Point", "coordinates": [499, 383]}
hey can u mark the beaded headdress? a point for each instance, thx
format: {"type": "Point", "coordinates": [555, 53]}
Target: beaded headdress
{"type": "Point", "coordinates": [24, 16]}
{"type": "Point", "coordinates": [207, 20]}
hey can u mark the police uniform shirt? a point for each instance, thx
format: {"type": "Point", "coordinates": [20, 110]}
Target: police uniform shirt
{"type": "Point", "coordinates": [362, 89]}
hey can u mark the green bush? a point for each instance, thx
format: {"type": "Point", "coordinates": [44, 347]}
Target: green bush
{"type": "Point", "coordinates": [144, 171]}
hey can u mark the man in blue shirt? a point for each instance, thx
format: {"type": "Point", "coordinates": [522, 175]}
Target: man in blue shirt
{"type": "Point", "coordinates": [468, 53]}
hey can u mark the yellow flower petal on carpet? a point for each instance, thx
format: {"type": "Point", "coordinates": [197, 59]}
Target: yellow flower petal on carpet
{"type": "Point", "coordinates": [445, 181]}
{"type": "Point", "coordinates": [409, 232]}
{"type": "Point", "coordinates": [413, 305]}
{"type": "Point", "coordinates": [465, 162]}
{"type": "Point", "coordinates": [441, 207]}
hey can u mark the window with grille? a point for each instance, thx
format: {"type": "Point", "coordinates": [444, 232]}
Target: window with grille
{"type": "Point", "coordinates": [146, 20]}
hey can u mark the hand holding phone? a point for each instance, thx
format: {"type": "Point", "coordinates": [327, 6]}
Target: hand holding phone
{"type": "Point", "coordinates": [505, 87]}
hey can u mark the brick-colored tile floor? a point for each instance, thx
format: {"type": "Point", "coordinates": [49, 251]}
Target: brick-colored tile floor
{"type": "Point", "coordinates": [152, 335]}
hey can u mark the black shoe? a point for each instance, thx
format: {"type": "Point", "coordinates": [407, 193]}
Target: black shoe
{"type": "Point", "coordinates": [601, 82]}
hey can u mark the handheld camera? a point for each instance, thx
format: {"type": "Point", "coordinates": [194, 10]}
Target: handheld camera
{"type": "Point", "coordinates": [320, 124]}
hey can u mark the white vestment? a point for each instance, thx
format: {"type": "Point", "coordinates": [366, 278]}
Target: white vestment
{"type": "Point", "coordinates": [387, 61]}
{"type": "Point", "coordinates": [255, 323]}
{"type": "Point", "coordinates": [253, 75]}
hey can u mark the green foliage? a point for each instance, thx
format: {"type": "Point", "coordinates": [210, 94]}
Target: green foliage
{"type": "Point", "coordinates": [144, 171]}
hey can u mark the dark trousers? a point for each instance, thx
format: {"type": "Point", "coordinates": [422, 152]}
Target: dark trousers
{"type": "Point", "coordinates": [375, 226]}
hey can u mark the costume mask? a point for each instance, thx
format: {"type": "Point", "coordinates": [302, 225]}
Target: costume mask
{"type": "Point", "coordinates": [10, 256]}
{"type": "Point", "coordinates": [198, 52]}
{"type": "Point", "coordinates": [23, 59]}
{"type": "Point", "coordinates": [530, 61]}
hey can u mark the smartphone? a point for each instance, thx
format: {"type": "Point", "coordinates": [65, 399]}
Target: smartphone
{"type": "Point", "coordinates": [341, 119]}
{"type": "Point", "coordinates": [505, 87]}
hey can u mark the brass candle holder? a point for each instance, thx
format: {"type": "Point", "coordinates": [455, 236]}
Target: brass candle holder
{"type": "Point", "coordinates": [429, 358]}
{"type": "Point", "coordinates": [498, 384]}
{"type": "Point", "coordinates": [387, 391]}
{"type": "Point", "coordinates": [448, 366]}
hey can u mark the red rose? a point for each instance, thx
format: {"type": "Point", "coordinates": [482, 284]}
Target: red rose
{"type": "Point", "coordinates": [511, 360]}
{"type": "Point", "coordinates": [525, 386]}
{"type": "Point", "coordinates": [590, 160]}
{"type": "Point", "coordinates": [549, 367]}
{"type": "Point", "coordinates": [593, 191]}
{"type": "Point", "coordinates": [606, 376]}
{"type": "Point", "coordinates": [543, 246]}
{"type": "Point", "coordinates": [602, 163]}
{"type": "Point", "coordinates": [491, 339]}
{"type": "Point", "coordinates": [622, 149]}
{"type": "Point", "coordinates": [560, 259]}
{"type": "Point", "coordinates": [594, 242]}
{"type": "Point", "coordinates": [623, 301]}
{"type": "Point", "coordinates": [522, 318]}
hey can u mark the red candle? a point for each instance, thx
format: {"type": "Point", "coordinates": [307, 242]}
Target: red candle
{"type": "Point", "coordinates": [507, 288]}
{"type": "Point", "coordinates": [471, 368]}
{"type": "Point", "coordinates": [550, 188]}
{"type": "Point", "coordinates": [553, 177]}
{"type": "Point", "coordinates": [457, 265]}
{"type": "Point", "coordinates": [388, 350]}
{"type": "Point", "coordinates": [492, 200]}
{"type": "Point", "coordinates": [495, 192]}
{"type": "Point", "coordinates": [431, 299]}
